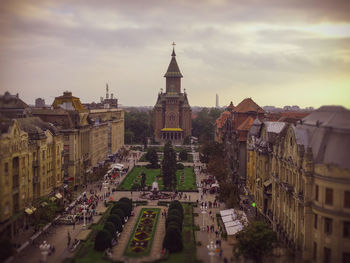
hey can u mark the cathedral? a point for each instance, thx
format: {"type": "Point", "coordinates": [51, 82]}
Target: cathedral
{"type": "Point", "coordinates": [172, 112]}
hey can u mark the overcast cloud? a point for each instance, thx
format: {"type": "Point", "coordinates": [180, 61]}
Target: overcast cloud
{"type": "Point", "coordinates": [277, 52]}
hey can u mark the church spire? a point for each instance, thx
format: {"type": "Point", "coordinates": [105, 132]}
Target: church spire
{"type": "Point", "coordinates": [173, 69]}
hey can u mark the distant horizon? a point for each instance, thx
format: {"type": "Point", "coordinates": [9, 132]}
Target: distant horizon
{"type": "Point", "coordinates": [277, 52]}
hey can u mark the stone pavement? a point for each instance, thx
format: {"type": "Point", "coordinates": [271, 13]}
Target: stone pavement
{"type": "Point", "coordinates": [58, 237]}
{"type": "Point", "coordinates": [156, 249]}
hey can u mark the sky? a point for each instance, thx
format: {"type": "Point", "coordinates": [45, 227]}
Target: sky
{"type": "Point", "coordinates": [290, 52]}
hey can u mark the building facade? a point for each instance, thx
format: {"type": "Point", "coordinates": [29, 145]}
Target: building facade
{"type": "Point", "coordinates": [30, 168]}
{"type": "Point", "coordinates": [172, 112]}
{"type": "Point", "coordinates": [299, 178]}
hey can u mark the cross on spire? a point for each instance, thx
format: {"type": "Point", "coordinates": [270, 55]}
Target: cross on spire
{"type": "Point", "coordinates": [173, 54]}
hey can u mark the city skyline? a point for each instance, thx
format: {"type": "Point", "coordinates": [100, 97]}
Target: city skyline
{"type": "Point", "coordinates": [278, 53]}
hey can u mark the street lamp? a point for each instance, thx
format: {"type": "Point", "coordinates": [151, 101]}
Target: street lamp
{"type": "Point", "coordinates": [204, 211]}
{"type": "Point", "coordinates": [44, 247]}
{"type": "Point", "coordinates": [84, 206]}
{"type": "Point", "coordinates": [211, 247]}
{"type": "Point", "coordinates": [105, 186]}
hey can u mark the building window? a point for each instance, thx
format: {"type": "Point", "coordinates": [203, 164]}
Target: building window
{"type": "Point", "coordinates": [327, 255]}
{"type": "Point", "coordinates": [346, 257]}
{"type": "Point", "coordinates": [347, 199]}
{"type": "Point", "coordinates": [6, 168]}
{"type": "Point", "coordinates": [315, 221]}
{"type": "Point", "coordinates": [316, 192]}
{"type": "Point", "coordinates": [328, 225]}
{"type": "Point", "coordinates": [346, 229]}
{"type": "Point", "coordinates": [329, 196]}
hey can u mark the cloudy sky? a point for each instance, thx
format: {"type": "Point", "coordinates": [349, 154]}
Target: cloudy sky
{"type": "Point", "coordinates": [279, 52]}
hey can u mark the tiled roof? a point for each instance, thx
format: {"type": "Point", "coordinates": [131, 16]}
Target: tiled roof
{"type": "Point", "coordinates": [173, 69]}
{"type": "Point", "coordinates": [221, 120]}
{"type": "Point", "coordinates": [8, 101]}
{"type": "Point", "coordinates": [274, 126]}
{"type": "Point", "coordinates": [248, 105]}
{"type": "Point", "coordinates": [245, 126]}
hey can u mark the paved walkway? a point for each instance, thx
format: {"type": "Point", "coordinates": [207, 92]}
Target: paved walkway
{"type": "Point", "coordinates": [58, 237]}
{"type": "Point", "coordinates": [159, 234]}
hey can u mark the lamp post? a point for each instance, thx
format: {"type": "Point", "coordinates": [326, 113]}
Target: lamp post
{"type": "Point", "coordinates": [44, 247]}
{"type": "Point", "coordinates": [204, 211]}
{"type": "Point", "coordinates": [84, 206]}
{"type": "Point", "coordinates": [105, 186]}
{"type": "Point", "coordinates": [211, 247]}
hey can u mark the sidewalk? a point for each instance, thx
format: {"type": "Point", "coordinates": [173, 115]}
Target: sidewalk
{"type": "Point", "coordinates": [58, 235]}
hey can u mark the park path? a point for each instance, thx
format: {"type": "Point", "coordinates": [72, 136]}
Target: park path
{"type": "Point", "coordinates": [118, 250]}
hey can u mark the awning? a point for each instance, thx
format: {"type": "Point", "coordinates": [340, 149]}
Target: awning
{"type": "Point", "coordinates": [28, 211]}
{"type": "Point", "coordinates": [171, 129]}
{"type": "Point", "coordinates": [268, 182]}
{"type": "Point", "coordinates": [58, 196]}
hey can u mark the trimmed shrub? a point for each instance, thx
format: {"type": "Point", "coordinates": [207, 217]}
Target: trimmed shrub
{"type": "Point", "coordinates": [171, 218]}
{"type": "Point", "coordinates": [126, 200]}
{"type": "Point", "coordinates": [109, 226]}
{"type": "Point", "coordinates": [177, 205]}
{"type": "Point", "coordinates": [123, 206]}
{"type": "Point", "coordinates": [116, 221]}
{"type": "Point", "coordinates": [175, 212]}
{"type": "Point", "coordinates": [117, 211]}
{"type": "Point", "coordinates": [175, 224]}
{"type": "Point", "coordinates": [172, 240]}
{"type": "Point", "coordinates": [103, 240]}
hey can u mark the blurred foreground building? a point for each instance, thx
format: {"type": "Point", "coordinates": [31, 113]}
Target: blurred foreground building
{"type": "Point", "coordinates": [299, 177]}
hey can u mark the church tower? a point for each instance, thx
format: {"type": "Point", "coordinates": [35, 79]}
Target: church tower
{"type": "Point", "coordinates": [172, 112]}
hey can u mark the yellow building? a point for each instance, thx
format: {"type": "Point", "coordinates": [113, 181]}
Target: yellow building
{"type": "Point", "coordinates": [302, 184]}
{"type": "Point", "coordinates": [31, 162]}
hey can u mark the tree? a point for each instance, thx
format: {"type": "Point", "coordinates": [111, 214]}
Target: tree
{"type": "Point", "coordinates": [103, 240]}
{"type": "Point", "coordinates": [116, 220]}
{"type": "Point", "coordinates": [173, 239]}
{"type": "Point", "coordinates": [255, 241]}
{"type": "Point", "coordinates": [138, 126]}
{"type": "Point", "coordinates": [152, 157]}
{"type": "Point", "coordinates": [117, 211]}
{"type": "Point", "coordinates": [169, 167]}
{"type": "Point", "coordinates": [109, 227]}
{"type": "Point", "coordinates": [183, 155]}
{"type": "Point", "coordinates": [203, 125]}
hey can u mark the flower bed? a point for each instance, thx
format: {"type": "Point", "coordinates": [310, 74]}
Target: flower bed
{"type": "Point", "coordinates": [140, 242]}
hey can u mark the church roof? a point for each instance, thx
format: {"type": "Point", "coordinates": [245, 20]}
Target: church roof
{"type": "Point", "coordinates": [245, 126]}
{"type": "Point", "coordinates": [173, 69]}
{"type": "Point", "coordinates": [248, 105]}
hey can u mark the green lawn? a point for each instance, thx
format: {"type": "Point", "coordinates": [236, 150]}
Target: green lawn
{"type": "Point", "coordinates": [189, 182]}
{"type": "Point", "coordinates": [128, 250]}
{"type": "Point", "coordinates": [188, 253]}
{"type": "Point", "coordinates": [86, 252]}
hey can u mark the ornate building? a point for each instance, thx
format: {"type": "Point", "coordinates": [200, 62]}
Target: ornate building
{"type": "Point", "coordinates": [231, 128]}
{"type": "Point", "coordinates": [172, 112]}
{"type": "Point", "coordinates": [299, 177]}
